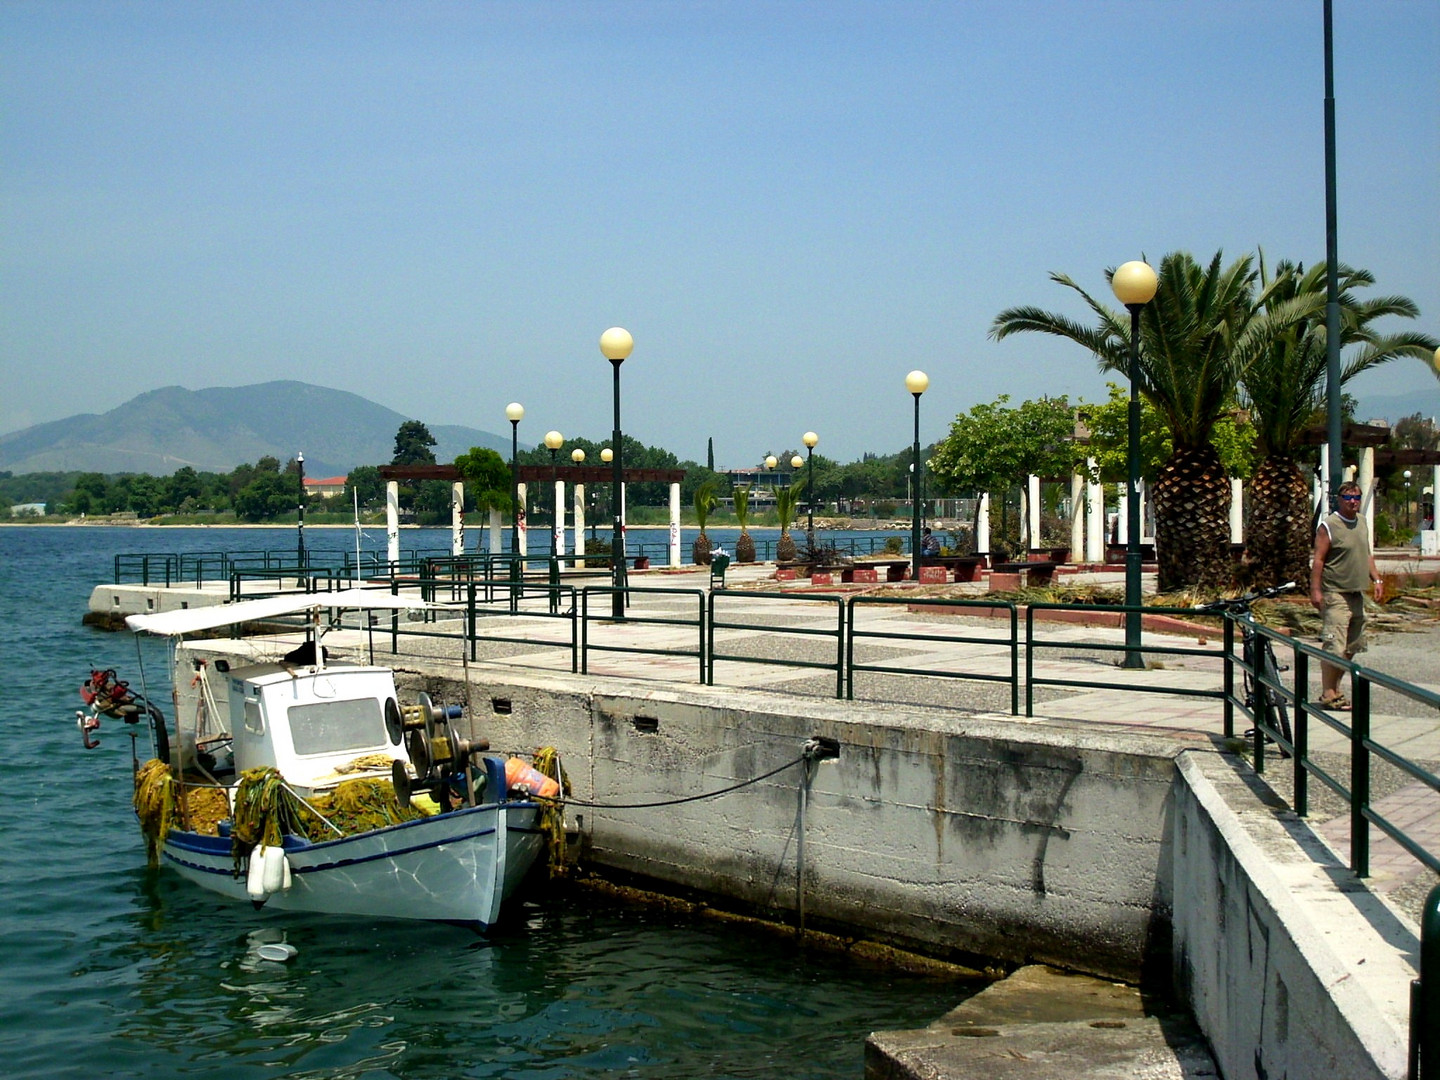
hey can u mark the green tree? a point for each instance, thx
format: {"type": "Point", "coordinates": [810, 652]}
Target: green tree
{"type": "Point", "coordinates": [1284, 382]}
{"type": "Point", "coordinates": [363, 485]}
{"type": "Point", "coordinates": [1192, 335]}
{"type": "Point", "coordinates": [706, 500]}
{"type": "Point", "coordinates": [487, 479]}
{"type": "Point", "coordinates": [993, 447]}
{"type": "Point", "coordinates": [412, 445]}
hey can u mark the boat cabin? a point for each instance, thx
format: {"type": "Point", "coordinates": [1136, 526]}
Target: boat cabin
{"type": "Point", "coordinates": [310, 724]}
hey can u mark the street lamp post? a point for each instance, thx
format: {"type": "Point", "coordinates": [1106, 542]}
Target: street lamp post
{"type": "Point", "coordinates": [514, 412]}
{"type": "Point", "coordinates": [1134, 285]}
{"type": "Point", "coordinates": [810, 439]}
{"type": "Point", "coordinates": [615, 346]}
{"type": "Point", "coordinates": [300, 527]}
{"type": "Point", "coordinates": [606, 456]}
{"type": "Point", "coordinates": [916, 382]}
{"type": "Point", "coordinates": [553, 442]}
{"type": "Point", "coordinates": [1407, 507]}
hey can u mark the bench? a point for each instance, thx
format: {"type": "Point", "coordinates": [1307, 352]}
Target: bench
{"type": "Point", "coordinates": [1036, 573]}
{"type": "Point", "coordinates": [894, 568]}
{"type": "Point", "coordinates": [964, 567]}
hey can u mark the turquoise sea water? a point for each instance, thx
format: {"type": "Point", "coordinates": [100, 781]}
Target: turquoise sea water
{"type": "Point", "coordinates": [110, 969]}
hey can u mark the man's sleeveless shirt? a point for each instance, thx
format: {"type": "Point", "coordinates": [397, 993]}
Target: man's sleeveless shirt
{"type": "Point", "coordinates": [1347, 567]}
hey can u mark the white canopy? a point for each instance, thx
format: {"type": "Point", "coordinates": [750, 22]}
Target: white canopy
{"type": "Point", "coordinates": [192, 620]}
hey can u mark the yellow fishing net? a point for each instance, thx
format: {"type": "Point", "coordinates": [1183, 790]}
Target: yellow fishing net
{"type": "Point", "coordinates": [552, 817]}
{"type": "Point", "coordinates": [157, 799]}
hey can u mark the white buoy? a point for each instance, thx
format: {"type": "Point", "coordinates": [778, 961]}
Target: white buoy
{"type": "Point", "coordinates": [255, 879]}
{"type": "Point", "coordinates": [275, 867]}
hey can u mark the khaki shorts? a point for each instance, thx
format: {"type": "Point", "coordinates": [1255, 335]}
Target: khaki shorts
{"type": "Point", "coordinates": [1343, 620]}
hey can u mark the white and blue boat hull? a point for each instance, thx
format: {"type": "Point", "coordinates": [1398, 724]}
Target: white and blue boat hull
{"type": "Point", "coordinates": [455, 867]}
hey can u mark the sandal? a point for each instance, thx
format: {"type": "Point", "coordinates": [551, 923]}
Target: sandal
{"type": "Point", "coordinates": [1336, 703]}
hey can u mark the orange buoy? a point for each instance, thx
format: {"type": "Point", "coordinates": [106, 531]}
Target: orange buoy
{"type": "Point", "coordinates": [522, 776]}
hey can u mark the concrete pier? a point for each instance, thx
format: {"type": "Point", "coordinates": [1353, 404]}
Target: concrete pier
{"type": "Point", "coordinates": [1114, 836]}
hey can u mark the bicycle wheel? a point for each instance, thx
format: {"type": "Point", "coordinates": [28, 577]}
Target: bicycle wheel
{"type": "Point", "coordinates": [1279, 710]}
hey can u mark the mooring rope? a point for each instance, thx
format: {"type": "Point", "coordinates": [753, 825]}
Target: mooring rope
{"type": "Point", "coordinates": [675, 802]}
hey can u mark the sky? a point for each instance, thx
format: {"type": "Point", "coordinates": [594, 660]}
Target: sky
{"type": "Point", "coordinates": [441, 206]}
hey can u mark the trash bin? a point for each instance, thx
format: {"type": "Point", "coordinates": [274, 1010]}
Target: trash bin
{"type": "Point", "coordinates": [719, 560]}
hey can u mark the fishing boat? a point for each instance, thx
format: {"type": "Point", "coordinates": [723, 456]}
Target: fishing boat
{"type": "Point", "coordinates": [305, 785]}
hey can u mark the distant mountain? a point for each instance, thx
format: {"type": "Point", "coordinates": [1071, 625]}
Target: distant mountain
{"type": "Point", "coordinates": [217, 429]}
{"type": "Point", "coordinates": [1394, 407]}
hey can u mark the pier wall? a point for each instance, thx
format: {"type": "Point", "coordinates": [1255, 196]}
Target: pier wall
{"type": "Point", "coordinates": [977, 834]}
{"type": "Point", "coordinates": [1126, 856]}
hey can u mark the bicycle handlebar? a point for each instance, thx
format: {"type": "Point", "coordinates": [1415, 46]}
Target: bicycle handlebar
{"type": "Point", "coordinates": [1242, 603]}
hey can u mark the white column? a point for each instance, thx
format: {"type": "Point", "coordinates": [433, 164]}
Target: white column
{"type": "Point", "coordinates": [623, 496]}
{"type": "Point", "coordinates": [1094, 518]}
{"type": "Point", "coordinates": [1032, 511]}
{"type": "Point", "coordinates": [392, 520]}
{"type": "Point", "coordinates": [457, 518]}
{"type": "Point", "coordinates": [559, 517]}
{"type": "Point", "coordinates": [1147, 533]}
{"type": "Point", "coordinates": [522, 530]}
{"type": "Point", "coordinates": [982, 525]}
{"type": "Point", "coordinates": [1237, 511]}
{"type": "Point", "coordinates": [1122, 517]}
{"type": "Point", "coordinates": [579, 546]}
{"type": "Point", "coordinates": [1322, 481]}
{"type": "Point", "coordinates": [495, 527]}
{"type": "Point", "coordinates": [674, 524]}
{"type": "Point", "coordinates": [1077, 517]}
{"type": "Point", "coordinates": [1366, 480]}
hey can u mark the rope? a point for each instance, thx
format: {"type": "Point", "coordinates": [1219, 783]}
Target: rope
{"type": "Point", "coordinates": [677, 802]}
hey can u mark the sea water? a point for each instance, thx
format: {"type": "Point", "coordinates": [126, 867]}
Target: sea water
{"type": "Point", "coordinates": [111, 969]}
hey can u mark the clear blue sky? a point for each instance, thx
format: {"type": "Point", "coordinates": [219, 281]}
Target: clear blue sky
{"type": "Point", "coordinates": [441, 206]}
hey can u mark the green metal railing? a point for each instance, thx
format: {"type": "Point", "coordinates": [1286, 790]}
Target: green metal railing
{"type": "Point", "coordinates": [633, 617]}
{"type": "Point", "coordinates": [837, 634]}
{"type": "Point", "coordinates": [1149, 647]}
{"type": "Point", "coordinates": [1011, 643]}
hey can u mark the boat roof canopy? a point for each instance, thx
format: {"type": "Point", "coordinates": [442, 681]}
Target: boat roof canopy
{"type": "Point", "coordinates": [193, 620]}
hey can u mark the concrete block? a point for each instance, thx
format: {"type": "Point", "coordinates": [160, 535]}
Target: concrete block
{"type": "Point", "coordinates": [866, 574]}
{"type": "Point", "coordinates": [1004, 582]}
{"type": "Point", "coordinates": [785, 574]}
{"type": "Point", "coordinates": [821, 577]}
{"type": "Point", "coordinates": [932, 575]}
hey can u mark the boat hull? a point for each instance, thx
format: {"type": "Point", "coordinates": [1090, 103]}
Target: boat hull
{"type": "Point", "coordinates": [456, 867]}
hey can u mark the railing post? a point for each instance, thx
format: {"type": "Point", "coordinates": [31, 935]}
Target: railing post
{"type": "Point", "coordinates": [1359, 775]}
{"type": "Point", "coordinates": [1301, 661]}
{"type": "Point", "coordinates": [850, 652]}
{"type": "Point", "coordinates": [470, 616]}
{"type": "Point", "coordinates": [700, 595]}
{"type": "Point", "coordinates": [1229, 669]}
{"type": "Point", "coordinates": [840, 648]}
{"type": "Point", "coordinates": [585, 632]}
{"type": "Point", "coordinates": [1029, 658]}
{"type": "Point", "coordinates": [1015, 663]}
{"type": "Point", "coordinates": [1425, 995]}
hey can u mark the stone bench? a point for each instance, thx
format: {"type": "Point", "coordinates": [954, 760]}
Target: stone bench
{"type": "Point", "coordinates": [963, 567]}
{"type": "Point", "coordinates": [1035, 573]}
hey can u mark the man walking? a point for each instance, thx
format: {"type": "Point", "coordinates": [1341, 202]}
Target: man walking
{"type": "Point", "coordinates": [1343, 569]}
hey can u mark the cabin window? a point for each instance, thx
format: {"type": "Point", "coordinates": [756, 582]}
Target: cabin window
{"type": "Point", "coordinates": [254, 723]}
{"type": "Point", "coordinates": [330, 727]}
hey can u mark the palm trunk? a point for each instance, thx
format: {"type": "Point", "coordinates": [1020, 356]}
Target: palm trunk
{"type": "Point", "coordinates": [1192, 521]}
{"type": "Point", "coordinates": [1277, 524]}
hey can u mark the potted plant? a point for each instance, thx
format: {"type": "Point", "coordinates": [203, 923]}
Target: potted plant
{"type": "Point", "coordinates": [786, 500]}
{"type": "Point", "coordinates": [705, 501]}
{"type": "Point", "coordinates": [745, 546]}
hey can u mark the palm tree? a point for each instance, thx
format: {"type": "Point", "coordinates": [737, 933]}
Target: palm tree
{"type": "Point", "coordinates": [786, 500]}
{"type": "Point", "coordinates": [745, 546]}
{"type": "Point", "coordinates": [1284, 385]}
{"type": "Point", "coordinates": [705, 501]}
{"type": "Point", "coordinates": [1188, 370]}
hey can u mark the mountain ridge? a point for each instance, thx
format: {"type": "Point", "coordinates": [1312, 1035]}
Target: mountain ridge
{"type": "Point", "coordinates": [219, 428]}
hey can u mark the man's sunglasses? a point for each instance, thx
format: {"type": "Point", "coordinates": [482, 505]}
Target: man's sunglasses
{"type": "Point", "coordinates": [1349, 498]}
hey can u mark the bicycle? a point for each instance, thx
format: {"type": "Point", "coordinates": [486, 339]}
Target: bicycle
{"type": "Point", "coordinates": [1262, 670]}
